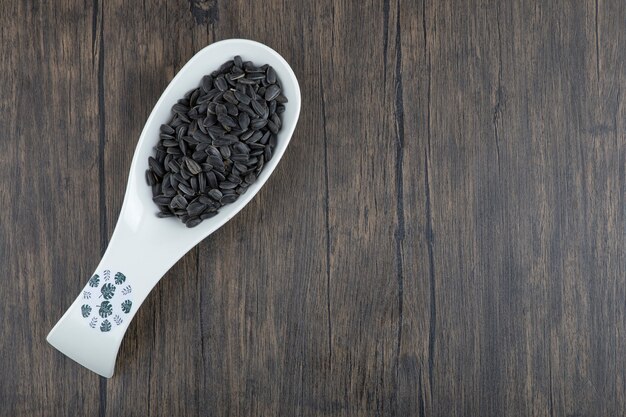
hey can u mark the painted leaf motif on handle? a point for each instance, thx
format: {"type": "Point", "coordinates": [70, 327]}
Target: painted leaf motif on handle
{"type": "Point", "coordinates": [106, 309]}
{"type": "Point", "coordinates": [94, 281]}
{"type": "Point", "coordinates": [85, 309]}
{"type": "Point", "coordinates": [120, 278]}
{"type": "Point", "coordinates": [105, 326]}
{"type": "Point", "coordinates": [108, 290]}
{"type": "Point", "coordinates": [126, 305]}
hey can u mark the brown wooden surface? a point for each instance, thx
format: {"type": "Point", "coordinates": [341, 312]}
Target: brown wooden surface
{"type": "Point", "coordinates": [444, 236]}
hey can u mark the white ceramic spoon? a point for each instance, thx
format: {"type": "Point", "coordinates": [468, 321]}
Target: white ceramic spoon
{"type": "Point", "coordinates": [144, 247]}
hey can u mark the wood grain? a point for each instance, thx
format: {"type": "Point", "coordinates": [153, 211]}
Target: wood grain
{"type": "Point", "coordinates": [444, 236]}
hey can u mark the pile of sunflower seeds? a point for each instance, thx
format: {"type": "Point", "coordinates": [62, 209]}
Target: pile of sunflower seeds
{"type": "Point", "coordinates": [215, 146]}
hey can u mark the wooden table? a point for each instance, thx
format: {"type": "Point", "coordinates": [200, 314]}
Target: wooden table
{"type": "Point", "coordinates": [444, 236]}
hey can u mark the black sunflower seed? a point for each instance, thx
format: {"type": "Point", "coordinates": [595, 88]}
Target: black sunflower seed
{"type": "Point", "coordinates": [227, 199]}
{"type": "Point", "coordinates": [256, 76]}
{"type": "Point", "coordinates": [241, 97]}
{"type": "Point", "coordinates": [238, 168]}
{"type": "Point", "coordinates": [230, 97]}
{"type": "Point", "coordinates": [225, 152]}
{"type": "Point", "coordinates": [270, 75]}
{"type": "Point", "coordinates": [220, 177]}
{"type": "Point", "coordinates": [150, 178]}
{"type": "Point", "coordinates": [180, 109]}
{"type": "Point", "coordinates": [161, 199]}
{"type": "Point", "coordinates": [192, 166]}
{"type": "Point", "coordinates": [247, 109]}
{"type": "Point", "coordinates": [178, 202]}
{"type": "Point", "coordinates": [225, 140]}
{"type": "Point", "coordinates": [255, 147]}
{"type": "Point", "coordinates": [211, 180]}
{"type": "Point", "coordinates": [183, 146]}
{"type": "Point", "coordinates": [193, 222]}
{"type": "Point", "coordinates": [157, 168]}
{"type": "Point", "coordinates": [244, 121]}
{"type": "Point", "coordinates": [216, 130]}
{"type": "Point", "coordinates": [205, 200]}
{"type": "Point", "coordinates": [201, 182]}
{"type": "Point", "coordinates": [208, 214]}
{"type": "Point", "coordinates": [185, 189]}
{"type": "Point", "coordinates": [220, 108]}
{"type": "Point", "coordinates": [276, 119]}
{"type": "Point", "coordinates": [246, 81]}
{"type": "Point", "coordinates": [246, 135]}
{"type": "Point", "coordinates": [272, 127]}
{"type": "Point", "coordinates": [195, 208]}
{"type": "Point", "coordinates": [198, 156]}
{"type": "Point", "coordinates": [272, 92]}
{"type": "Point", "coordinates": [216, 161]}
{"type": "Point", "coordinates": [227, 185]}
{"type": "Point", "coordinates": [221, 83]}
{"type": "Point", "coordinates": [215, 194]}
{"type": "Point", "coordinates": [226, 120]}
{"type": "Point", "coordinates": [167, 129]}
{"type": "Point", "coordinates": [250, 67]}
{"type": "Point", "coordinates": [174, 166]}
{"type": "Point", "coordinates": [257, 124]}
{"type": "Point", "coordinates": [240, 157]}
{"type": "Point", "coordinates": [250, 178]}
{"type": "Point", "coordinates": [199, 137]}
{"type": "Point", "coordinates": [255, 137]}
{"type": "Point", "coordinates": [207, 83]}
{"type": "Point", "coordinates": [258, 107]}
{"type": "Point", "coordinates": [232, 109]}
{"type": "Point", "coordinates": [241, 148]}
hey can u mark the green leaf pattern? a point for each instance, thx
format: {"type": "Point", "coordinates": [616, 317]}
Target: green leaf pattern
{"type": "Point", "coordinates": [105, 305]}
{"type": "Point", "coordinates": [106, 309]}
{"type": "Point", "coordinates": [85, 310]}
{"type": "Point", "coordinates": [108, 291]}
{"type": "Point", "coordinates": [120, 278]}
{"type": "Point", "coordinates": [126, 305]}
{"type": "Point", "coordinates": [94, 281]}
{"type": "Point", "coordinates": [105, 326]}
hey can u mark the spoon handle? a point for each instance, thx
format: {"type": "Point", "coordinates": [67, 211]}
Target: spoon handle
{"type": "Point", "coordinates": [91, 330]}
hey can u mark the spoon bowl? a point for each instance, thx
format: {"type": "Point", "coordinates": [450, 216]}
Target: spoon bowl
{"type": "Point", "coordinates": [144, 247]}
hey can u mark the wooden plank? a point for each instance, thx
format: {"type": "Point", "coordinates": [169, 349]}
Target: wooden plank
{"type": "Point", "coordinates": [48, 198]}
{"type": "Point", "coordinates": [523, 163]}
